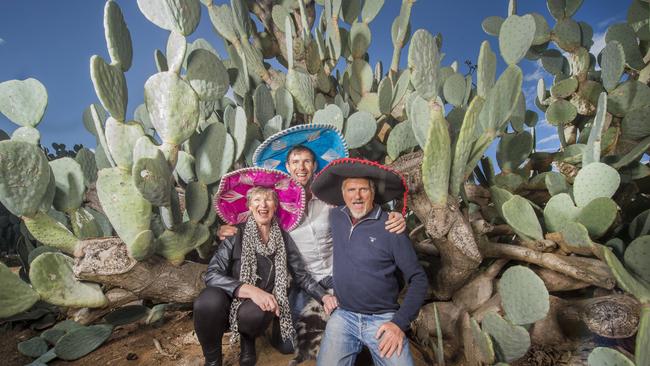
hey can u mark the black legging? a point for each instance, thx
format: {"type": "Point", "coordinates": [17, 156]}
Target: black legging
{"type": "Point", "coordinates": [211, 311]}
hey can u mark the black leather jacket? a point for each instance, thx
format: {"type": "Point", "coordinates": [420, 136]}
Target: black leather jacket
{"type": "Point", "coordinates": [224, 268]}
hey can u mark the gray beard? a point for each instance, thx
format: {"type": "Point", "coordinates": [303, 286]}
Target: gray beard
{"type": "Point", "coordinates": [358, 216]}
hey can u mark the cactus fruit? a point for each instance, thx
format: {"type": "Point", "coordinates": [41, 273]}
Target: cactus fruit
{"type": "Point", "coordinates": [17, 296]}
{"type": "Point", "coordinates": [23, 101]}
{"type": "Point", "coordinates": [523, 296]}
{"type": "Point", "coordinates": [52, 277]}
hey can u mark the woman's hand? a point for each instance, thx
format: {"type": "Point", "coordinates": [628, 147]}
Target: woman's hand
{"type": "Point", "coordinates": [395, 223]}
{"type": "Point", "coordinates": [329, 303]}
{"type": "Point", "coordinates": [226, 230]}
{"type": "Point", "coordinates": [261, 298]}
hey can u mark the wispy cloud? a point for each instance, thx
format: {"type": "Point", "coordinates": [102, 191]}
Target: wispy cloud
{"type": "Point", "coordinates": [599, 44]}
{"type": "Point", "coordinates": [547, 139]}
{"type": "Point", "coordinates": [543, 123]}
{"type": "Point", "coordinates": [2, 41]}
{"type": "Point", "coordinates": [537, 74]}
{"type": "Point", "coordinates": [550, 149]}
{"type": "Point", "coordinates": [606, 22]}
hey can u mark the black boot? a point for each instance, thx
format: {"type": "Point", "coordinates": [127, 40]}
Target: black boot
{"type": "Point", "coordinates": [215, 356]}
{"type": "Point", "coordinates": [216, 362]}
{"type": "Point", "coordinates": [247, 356]}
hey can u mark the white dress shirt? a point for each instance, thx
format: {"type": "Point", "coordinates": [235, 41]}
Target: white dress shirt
{"type": "Point", "coordinates": [314, 239]}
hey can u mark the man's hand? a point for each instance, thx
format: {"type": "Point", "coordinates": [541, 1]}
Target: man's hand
{"type": "Point", "coordinates": [396, 223]}
{"type": "Point", "coordinates": [226, 230]}
{"type": "Point", "coordinates": [261, 298]}
{"type": "Point", "coordinates": [392, 339]}
{"type": "Point", "coordinates": [330, 303]}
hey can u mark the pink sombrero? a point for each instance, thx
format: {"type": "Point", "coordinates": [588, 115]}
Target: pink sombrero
{"type": "Point", "coordinates": [230, 200]}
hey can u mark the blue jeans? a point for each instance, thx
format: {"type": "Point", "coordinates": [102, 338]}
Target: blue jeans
{"type": "Point", "coordinates": [348, 331]}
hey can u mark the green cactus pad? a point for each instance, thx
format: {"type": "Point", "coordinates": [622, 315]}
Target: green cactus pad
{"type": "Point", "coordinates": [152, 177]}
{"type": "Point", "coordinates": [174, 245]}
{"type": "Point", "coordinates": [221, 17]}
{"type": "Point", "coordinates": [51, 336]}
{"type": "Point", "coordinates": [436, 162]}
{"type": "Point", "coordinates": [360, 38]}
{"type": "Point", "coordinates": [238, 129]}
{"type": "Point", "coordinates": [576, 239]}
{"type": "Point", "coordinates": [531, 118]}
{"type": "Point", "coordinates": [50, 232]}
{"type": "Point", "coordinates": [628, 96]}
{"type": "Point", "coordinates": [141, 115]}
{"type": "Point", "coordinates": [556, 183]}
{"type": "Point", "coordinates": [176, 50]}
{"type": "Point", "coordinates": [542, 30]}
{"type": "Point", "coordinates": [23, 101]}
{"type": "Point", "coordinates": [370, 9]}
{"type": "Point", "coordinates": [82, 341]}
{"type": "Point", "coordinates": [38, 251]}
{"type": "Point", "coordinates": [86, 160]}
{"type": "Point", "coordinates": [454, 89]}
{"type": "Point", "coordinates": [121, 137]}
{"type": "Point", "coordinates": [625, 280]}
{"type": "Point", "coordinates": [561, 112]}
{"type": "Point", "coordinates": [401, 139]}
{"type": "Point", "coordinates": [127, 210]}
{"type": "Point", "coordinates": [563, 8]}
{"type": "Point", "coordinates": [492, 25]}
{"type": "Point", "coordinates": [595, 180]}
{"type": "Point", "coordinates": [501, 100]}
{"type": "Point", "coordinates": [181, 17]}
{"type": "Point", "coordinates": [523, 295]}
{"type": "Point", "coordinates": [300, 86]}
{"type": "Point", "coordinates": [424, 62]}
{"type": "Point", "coordinates": [52, 277]}
{"type": "Point", "coordinates": [359, 129]}
{"type": "Point", "coordinates": [84, 225]}
{"type": "Point", "coordinates": [612, 64]}
{"type": "Point", "coordinates": [272, 126]}
{"type": "Point", "coordinates": [515, 37]}
{"type": "Point", "coordinates": [27, 134]}
{"type": "Point", "coordinates": [263, 104]}
{"type": "Point", "coordinates": [70, 184]}
{"type": "Point", "coordinates": [24, 177]}
{"type": "Point", "coordinates": [185, 167]}
{"type": "Point", "coordinates": [564, 88]}
{"type": "Point", "coordinates": [514, 149]}
{"type": "Point", "coordinates": [554, 62]}
{"type": "Point", "coordinates": [509, 181]}
{"type": "Point", "coordinates": [598, 216]}
{"type": "Point", "coordinates": [634, 125]}
{"type": "Point", "coordinates": [126, 314]}
{"type": "Point", "coordinates": [207, 75]}
{"type": "Point", "coordinates": [637, 257]}
{"type": "Point", "coordinates": [196, 200]}
{"type": "Point", "coordinates": [640, 225]}
{"type": "Point", "coordinates": [17, 296]}
{"type": "Point", "coordinates": [510, 341]}
{"type": "Point", "coordinates": [385, 93]}
{"type": "Point", "coordinates": [118, 37]}
{"type": "Point", "coordinates": [603, 356]}
{"type": "Point", "coordinates": [420, 117]}
{"type": "Point", "coordinates": [520, 215]}
{"type": "Point", "coordinates": [214, 152]}
{"type": "Point", "coordinates": [361, 78]}
{"type": "Point", "coordinates": [567, 34]}
{"type": "Point", "coordinates": [486, 70]}
{"type": "Point", "coordinates": [518, 116]}
{"type": "Point", "coordinates": [33, 347]}
{"type": "Point", "coordinates": [156, 313]}
{"type": "Point", "coordinates": [330, 115]}
{"type": "Point", "coordinates": [110, 87]}
{"type": "Point", "coordinates": [48, 197]}
{"type": "Point", "coordinates": [483, 343]}
{"type": "Point", "coordinates": [105, 227]}
{"type": "Point", "coordinates": [464, 144]}
{"type": "Point", "coordinates": [401, 87]}
{"type": "Point", "coordinates": [284, 104]}
{"type": "Point", "coordinates": [173, 106]}
{"type": "Point", "coordinates": [593, 150]}
{"type": "Point", "coordinates": [626, 37]}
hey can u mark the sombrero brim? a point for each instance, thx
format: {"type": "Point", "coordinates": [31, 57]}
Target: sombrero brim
{"type": "Point", "coordinates": [325, 141]}
{"type": "Point", "coordinates": [389, 184]}
{"type": "Point", "coordinates": [230, 200]}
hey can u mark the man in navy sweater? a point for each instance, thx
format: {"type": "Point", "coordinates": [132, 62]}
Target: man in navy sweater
{"type": "Point", "coordinates": [366, 263]}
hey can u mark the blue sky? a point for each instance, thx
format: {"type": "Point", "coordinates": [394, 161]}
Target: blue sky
{"type": "Point", "coordinates": [53, 41]}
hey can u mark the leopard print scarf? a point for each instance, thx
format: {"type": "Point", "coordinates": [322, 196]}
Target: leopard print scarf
{"type": "Point", "coordinates": [251, 245]}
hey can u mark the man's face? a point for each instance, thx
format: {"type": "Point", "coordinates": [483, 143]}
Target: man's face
{"type": "Point", "coordinates": [301, 166]}
{"type": "Point", "coordinates": [358, 196]}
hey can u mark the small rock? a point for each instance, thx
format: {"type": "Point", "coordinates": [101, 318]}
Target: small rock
{"type": "Point", "coordinates": [131, 356]}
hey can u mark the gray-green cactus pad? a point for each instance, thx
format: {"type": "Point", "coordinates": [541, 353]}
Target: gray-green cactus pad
{"type": "Point", "coordinates": [82, 341]}
{"type": "Point", "coordinates": [628, 96]}
{"type": "Point", "coordinates": [559, 210]}
{"type": "Point", "coordinates": [23, 101]}
{"type": "Point", "coordinates": [84, 224]}
{"type": "Point", "coordinates": [401, 139]}
{"type": "Point", "coordinates": [454, 89]}
{"type": "Point", "coordinates": [118, 37]}
{"type": "Point", "coordinates": [179, 16]}
{"type": "Point", "coordinates": [492, 25]}
{"type": "Point", "coordinates": [523, 295]}
{"type": "Point", "coordinates": [33, 347]}
{"type": "Point", "coordinates": [634, 125]}
{"type": "Point", "coordinates": [196, 200]}
{"type": "Point", "coordinates": [153, 178]}
{"type": "Point", "coordinates": [126, 314]}
{"type": "Point", "coordinates": [556, 183]}
{"type": "Point", "coordinates": [110, 87]}
{"type": "Point", "coordinates": [27, 134]}
{"type": "Point", "coordinates": [624, 34]}
{"type": "Point", "coordinates": [514, 149]}
{"type": "Point", "coordinates": [207, 75]}
{"type": "Point", "coordinates": [359, 129]}
{"type": "Point", "coordinates": [121, 138]}
{"type": "Point", "coordinates": [173, 106]}
{"type": "Point", "coordinates": [520, 215]}
{"type": "Point", "coordinates": [436, 161]}
{"type": "Point", "coordinates": [510, 341]}
{"type": "Point", "coordinates": [86, 160]}
{"type": "Point", "coordinates": [50, 232]}
{"type": "Point", "coordinates": [576, 238]}
{"type": "Point", "coordinates": [515, 37]}
{"type": "Point", "coordinates": [70, 184]}
{"type": "Point", "coordinates": [603, 356]}
{"type": "Point", "coordinates": [612, 64]}
{"type": "Point", "coordinates": [595, 180]}
{"type": "Point", "coordinates": [174, 245]}
{"type": "Point", "coordinates": [598, 216]}
{"type": "Point", "coordinates": [52, 277]}
{"type": "Point", "coordinates": [561, 112]}
{"type": "Point", "coordinates": [17, 296]}
{"type": "Point", "coordinates": [214, 152]}
{"type": "Point", "coordinates": [501, 100]}
{"type": "Point", "coordinates": [127, 210]}
{"type": "Point", "coordinates": [300, 86]}
{"type": "Point", "coordinates": [637, 257]}
{"type": "Point", "coordinates": [424, 62]}
{"type": "Point", "coordinates": [330, 115]}
{"type": "Point", "coordinates": [24, 177]}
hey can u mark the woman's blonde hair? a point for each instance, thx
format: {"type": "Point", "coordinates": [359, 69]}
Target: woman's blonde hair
{"type": "Point", "coordinates": [261, 190]}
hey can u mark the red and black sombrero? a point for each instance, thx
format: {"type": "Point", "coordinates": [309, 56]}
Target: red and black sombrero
{"type": "Point", "coordinates": [389, 184]}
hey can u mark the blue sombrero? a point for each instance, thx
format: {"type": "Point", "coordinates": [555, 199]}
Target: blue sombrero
{"type": "Point", "coordinates": [325, 141]}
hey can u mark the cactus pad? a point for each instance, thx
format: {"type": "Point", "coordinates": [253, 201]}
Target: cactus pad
{"type": "Point", "coordinates": [515, 37]}
{"type": "Point", "coordinates": [603, 356]}
{"type": "Point", "coordinates": [174, 245]}
{"type": "Point", "coordinates": [330, 115]}
{"type": "Point", "coordinates": [86, 160]}
{"type": "Point", "coordinates": [401, 139]}
{"type": "Point", "coordinates": [50, 232]}
{"type": "Point", "coordinates": [612, 64]}
{"type": "Point", "coordinates": [523, 295]}
{"type": "Point", "coordinates": [126, 314]}
{"type": "Point", "coordinates": [359, 129]}
{"type": "Point", "coordinates": [486, 70]}
{"type": "Point", "coordinates": [564, 88]}
{"type": "Point", "coordinates": [436, 162]}
{"type": "Point", "coordinates": [24, 177]}
{"type": "Point", "coordinates": [627, 96]}
{"type": "Point", "coordinates": [520, 215]}
{"type": "Point", "coordinates": [501, 100]}
{"type": "Point", "coordinates": [626, 37]}
{"type": "Point", "coordinates": [559, 210]}
{"type": "Point", "coordinates": [196, 200]}
{"type": "Point", "coordinates": [637, 257]}
{"type": "Point", "coordinates": [576, 239]}
{"type": "Point", "coordinates": [118, 38]}
{"type": "Point", "coordinates": [153, 179]}
{"type": "Point", "coordinates": [70, 184]}
{"type": "Point", "coordinates": [510, 341]}
{"type": "Point", "coordinates": [561, 112]}
{"type": "Point", "coordinates": [23, 101]}
{"type": "Point", "coordinates": [27, 134]}
{"type": "Point", "coordinates": [424, 62]}
{"type": "Point", "coordinates": [300, 86]}
{"type": "Point", "coordinates": [595, 180]}
{"type": "Point", "coordinates": [454, 89]}
{"type": "Point", "coordinates": [179, 16]}
{"type": "Point", "coordinates": [33, 347]}
{"type": "Point", "coordinates": [17, 296]}
{"type": "Point", "coordinates": [634, 125]}
{"type": "Point", "coordinates": [598, 216]}
{"type": "Point", "coordinates": [82, 341]}
{"type": "Point", "coordinates": [556, 183]}
{"type": "Point", "coordinates": [52, 277]}
{"type": "Point", "coordinates": [214, 152]}
{"type": "Point", "coordinates": [514, 149]}
{"type": "Point", "coordinates": [207, 75]}
{"type": "Point", "coordinates": [110, 87]}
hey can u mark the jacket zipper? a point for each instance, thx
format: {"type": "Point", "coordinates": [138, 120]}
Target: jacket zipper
{"type": "Point", "coordinates": [268, 278]}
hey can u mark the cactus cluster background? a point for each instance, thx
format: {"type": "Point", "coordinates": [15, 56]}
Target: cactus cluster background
{"type": "Point", "coordinates": [544, 252]}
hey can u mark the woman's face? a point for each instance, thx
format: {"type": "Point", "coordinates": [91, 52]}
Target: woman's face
{"type": "Point", "coordinates": [262, 206]}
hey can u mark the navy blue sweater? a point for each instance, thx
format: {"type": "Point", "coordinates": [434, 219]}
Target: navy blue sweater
{"type": "Point", "coordinates": [366, 260]}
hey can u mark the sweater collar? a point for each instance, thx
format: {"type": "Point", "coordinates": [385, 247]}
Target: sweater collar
{"type": "Point", "coordinates": [374, 214]}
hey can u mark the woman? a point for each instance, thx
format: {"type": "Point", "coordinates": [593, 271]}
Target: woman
{"type": "Point", "coordinates": [248, 276]}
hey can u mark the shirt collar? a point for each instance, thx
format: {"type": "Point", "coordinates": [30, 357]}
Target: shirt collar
{"type": "Point", "coordinates": [374, 214]}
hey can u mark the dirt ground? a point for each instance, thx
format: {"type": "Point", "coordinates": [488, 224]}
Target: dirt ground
{"type": "Point", "coordinates": [135, 344]}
